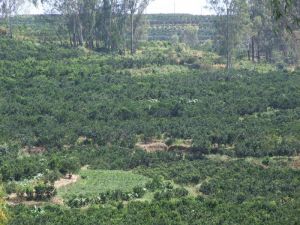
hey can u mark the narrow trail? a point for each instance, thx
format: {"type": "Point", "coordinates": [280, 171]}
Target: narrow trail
{"type": "Point", "coordinates": [66, 181]}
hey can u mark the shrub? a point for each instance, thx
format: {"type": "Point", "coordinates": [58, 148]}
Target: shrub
{"type": "Point", "coordinates": [139, 191]}
{"type": "Point", "coordinates": [180, 192]}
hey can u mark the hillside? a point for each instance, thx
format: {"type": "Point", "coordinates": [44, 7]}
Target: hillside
{"type": "Point", "coordinates": [165, 26]}
{"type": "Point", "coordinates": [224, 149]}
{"type": "Point", "coordinates": [161, 26]}
{"type": "Point", "coordinates": [110, 116]}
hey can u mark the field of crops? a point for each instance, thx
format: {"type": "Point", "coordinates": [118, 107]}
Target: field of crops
{"type": "Point", "coordinates": [94, 182]}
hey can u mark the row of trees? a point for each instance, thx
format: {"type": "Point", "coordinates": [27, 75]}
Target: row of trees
{"type": "Point", "coordinates": [258, 211]}
{"type": "Point", "coordinates": [262, 195]}
{"type": "Point", "coordinates": [218, 178]}
{"type": "Point", "coordinates": [38, 192]}
{"type": "Point", "coordinates": [115, 25]}
{"type": "Point", "coordinates": [259, 26]}
{"type": "Point", "coordinates": [8, 9]}
{"type": "Point", "coordinates": [110, 24]}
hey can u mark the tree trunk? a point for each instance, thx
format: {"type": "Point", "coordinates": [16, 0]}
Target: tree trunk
{"type": "Point", "coordinates": [227, 42]}
{"type": "Point", "coordinates": [253, 49]}
{"type": "Point", "coordinates": [258, 51]}
{"type": "Point", "coordinates": [70, 39]}
{"type": "Point", "coordinates": [91, 43]}
{"type": "Point", "coordinates": [80, 32]}
{"type": "Point", "coordinates": [74, 31]}
{"type": "Point", "coordinates": [9, 24]}
{"type": "Point", "coordinates": [124, 28]}
{"type": "Point", "coordinates": [131, 33]}
{"type": "Point", "coordinates": [249, 51]}
{"type": "Point", "coordinates": [110, 26]}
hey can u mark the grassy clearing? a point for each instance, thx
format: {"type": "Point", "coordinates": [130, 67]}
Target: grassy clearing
{"type": "Point", "coordinates": [93, 182]}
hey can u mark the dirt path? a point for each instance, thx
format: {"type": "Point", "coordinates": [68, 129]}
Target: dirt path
{"type": "Point", "coordinates": [153, 146]}
{"type": "Point", "coordinates": [65, 181]}
{"type": "Point", "coordinates": [296, 162]}
{"type": "Point", "coordinates": [62, 183]}
{"type": "Point", "coordinates": [14, 200]}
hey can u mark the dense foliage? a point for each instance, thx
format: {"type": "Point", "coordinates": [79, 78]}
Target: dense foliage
{"type": "Point", "coordinates": [62, 109]}
{"type": "Point", "coordinates": [233, 192]}
{"type": "Point", "coordinates": [232, 180]}
{"type": "Point", "coordinates": [183, 212]}
{"type": "Point", "coordinates": [53, 103]}
{"type": "Point", "coordinates": [15, 50]}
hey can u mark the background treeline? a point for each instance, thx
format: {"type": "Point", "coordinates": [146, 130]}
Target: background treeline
{"type": "Point", "coordinates": [190, 29]}
{"type": "Point", "coordinates": [96, 24]}
{"type": "Point", "coordinates": [110, 25]}
{"type": "Point", "coordinates": [256, 30]}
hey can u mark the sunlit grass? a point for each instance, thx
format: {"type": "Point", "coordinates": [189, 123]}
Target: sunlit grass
{"type": "Point", "coordinates": [93, 182]}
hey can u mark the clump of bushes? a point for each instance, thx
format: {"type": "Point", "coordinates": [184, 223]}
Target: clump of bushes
{"type": "Point", "coordinates": [167, 194]}
{"type": "Point", "coordinates": [37, 192]}
{"type": "Point", "coordinates": [109, 197]}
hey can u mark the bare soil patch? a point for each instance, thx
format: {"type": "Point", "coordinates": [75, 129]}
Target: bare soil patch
{"type": "Point", "coordinates": [13, 199]}
{"type": "Point", "coordinates": [57, 201]}
{"type": "Point", "coordinates": [34, 150]}
{"type": "Point", "coordinates": [153, 146]}
{"type": "Point", "coordinates": [296, 163]}
{"type": "Point", "coordinates": [66, 181]}
{"type": "Point", "coordinates": [181, 147]}
{"type": "Point", "coordinates": [158, 145]}
{"type": "Point", "coordinates": [15, 202]}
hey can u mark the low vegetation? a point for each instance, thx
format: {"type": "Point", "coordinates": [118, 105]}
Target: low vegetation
{"type": "Point", "coordinates": [199, 126]}
{"type": "Point", "coordinates": [94, 182]}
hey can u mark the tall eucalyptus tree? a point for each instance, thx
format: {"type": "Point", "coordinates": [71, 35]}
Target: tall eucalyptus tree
{"type": "Point", "coordinates": [8, 9]}
{"type": "Point", "coordinates": [232, 26]}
